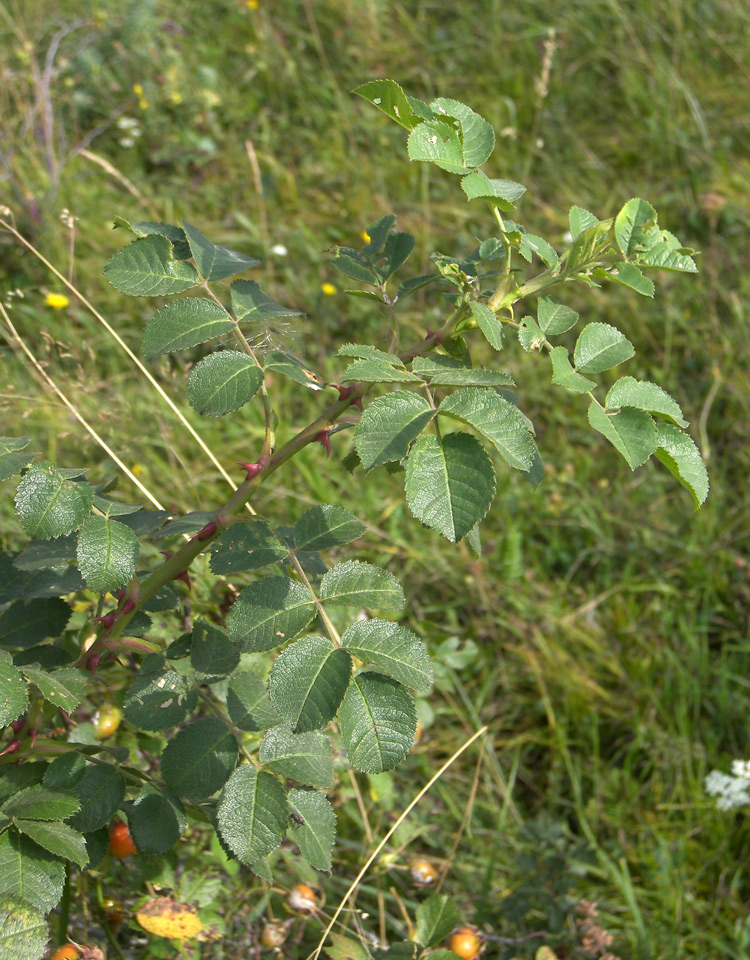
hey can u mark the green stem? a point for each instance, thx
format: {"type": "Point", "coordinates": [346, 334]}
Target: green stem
{"type": "Point", "coordinates": [180, 561]}
{"type": "Point", "coordinates": [64, 919]}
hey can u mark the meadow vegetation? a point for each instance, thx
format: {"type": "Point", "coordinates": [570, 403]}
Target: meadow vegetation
{"type": "Point", "coordinates": [602, 637]}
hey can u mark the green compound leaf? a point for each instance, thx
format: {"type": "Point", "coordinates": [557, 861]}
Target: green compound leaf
{"type": "Point", "coordinates": [157, 821]}
{"type": "Point", "coordinates": [554, 317]}
{"type": "Point", "coordinates": [184, 323]}
{"type": "Point", "coordinates": [41, 803]}
{"type": "Point", "coordinates": [628, 275]}
{"type": "Point", "coordinates": [316, 834]}
{"type": "Point", "coordinates": [143, 228]}
{"type": "Point", "coordinates": [199, 759]}
{"type": "Point", "coordinates": [436, 918]}
{"type": "Point", "coordinates": [450, 483]}
{"type": "Point", "coordinates": [249, 545]}
{"type": "Point", "coordinates": [14, 693]}
{"type": "Point", "coordinates": [16, 778]}
{"type": "Point", "coordinates": [212, 654]}
{"type": "Point", "coordinates": [538, 245]}
{"type": "Point", "coordinates": [530, 335]}
{"type": "Point", "coordinates": [223, 382]}
{"type": "Point", "coordinates": [252, 813]}
{"type": "Point", "coordinates": [26, 624]}
{"type": "Point", "coordinates": [279, 361]}
{"type": "Point", "coordinates": [159, 700]}
{"type": "Point", "coordinates": [57, 838]}
{"type": "Point", "coordinates": [305, 757]}
{"type": "Point", "coordinates": [27, 872]}
{"type": "Point", "coordinates": [53, 583]}
{"type": "Point", "coordinates": [663, 251]}
{"type": "Point", "coordinates": [393, 648]}
{"type": "Point", "coordinates": [12, 580]}
{"type": "Point", "coordinates": [378, 722]}
{"type": "Point", "coordinates": [11, 460]}
{"type": "Point", "coordinates": [388, 96]}
{"type": "Point", "coordinates": [326, 526]}
{"type": "Point", "coordinates": [148, 268]}
{"type": "Point", "coordinates": [356, 266]}
{"type": "Point", "coordinates": [252, 305]}
{"type": "Point", "coordinates": [447, 372]}
{"type": "Point", "coordinates": [631, 224]}
{"type": "Point", "coordinates": [65, 772]}
{"type": "Point", "coordinates": [43, 554]}
{"type": "Point", "coordinates": [632, 433]}
{"type": "Point", "coordinates": [363, 351]}
{"type": "Point", "coordinates": [497, 420]}
{"type": "Point", "coordinates": [48, 505]}
{"type": "Point", "coordinates": [681, 457]}
{"type": "Point", "coordinates": [308, 681]}
{"type": "Point", "coordinates": [376, 370]}
{"type": "Point", "coordinates": [457, 142]}
{"type": "Point", "coordinates": [600, 347]}
{"type": "Point", "coordinates": [379, 230]}
{"type": "Point", "coordinates": [565, 376]}
{"type": "Point", "coordinates": [215, 262]}
{"type": "Point", "coordinates": [23, 930]}
{"type": "Point", "coordinates": [101, 791]}
{"type": "Point", "coordinates": [107, 553]}
{"type": "Point", "coordinates": [500, 193]}
{"type": "Point", "coordinates": [488, 323]}
{"type": "Point", "coordinates": [580, 219]}
{"type": "Point", "coordinates": [268, 613]}
{"type": "Point", "coordinates": [358, 584]}
{"type": "Point", "coordinates": [63, 687]}
{"type": "Point", "coordinates": [249, 704]}
{"type": "Point", "coordinates": [389, 426]}
{"type": "Point", "coordinates": [644, 395]}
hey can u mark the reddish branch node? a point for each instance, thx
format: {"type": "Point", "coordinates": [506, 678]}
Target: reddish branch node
{"type": "Point", "coordinates": [251, 469]}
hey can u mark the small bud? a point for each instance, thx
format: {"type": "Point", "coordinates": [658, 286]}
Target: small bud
{"type": "Point", "coordinates": [11, 748]}
{"type": "Point", "coordinates": [324, 437]}
{"type": "Point", "coordinates": [127, 607]}
{"type": "Point", "coordinates": [120, 593]}
{"type": "Point", "coordinates": [251, 469]}
{"type": "Point", "coordinates": [18, 725]}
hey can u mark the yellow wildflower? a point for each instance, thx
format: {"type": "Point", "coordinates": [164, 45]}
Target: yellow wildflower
{"type": "Point", "coordinates": [143, 103]}
{"type": "Point", "coordinates": [365, 236]}
{"type": "Point", "coordinates": [328, 289]}
{"type": "Point", "coordinates": [137, 469]}
{"type": "Point", "coordinates": [175, 96]}
{"type": "Point", "coordinates": [137, 89]}
{"type": "Point", "coordinates": [252, 4]}
{"type": "Point", "coordinates": [58, 301]}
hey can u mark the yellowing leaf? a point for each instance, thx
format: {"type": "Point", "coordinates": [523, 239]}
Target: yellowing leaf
{"type": "Point", "coordinates": [165, 917]}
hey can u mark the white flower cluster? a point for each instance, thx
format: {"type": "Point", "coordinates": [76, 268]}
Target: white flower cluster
{"type": "Point", "coordinates": [131, 130]}
{"type": "Point", "coordinates": [732, 790]}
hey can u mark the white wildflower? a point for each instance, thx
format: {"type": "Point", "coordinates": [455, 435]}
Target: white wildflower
{"type": "Point", "coordinates": [279, 250]}
{"type": "Point", "coordinates": [731, 790]}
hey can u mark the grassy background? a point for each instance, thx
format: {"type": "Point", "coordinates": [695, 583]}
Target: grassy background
{"type": "Point", "coordinates": [603, 636]}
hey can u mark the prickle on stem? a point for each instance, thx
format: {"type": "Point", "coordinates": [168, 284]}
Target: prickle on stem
{"type": "Point", "coordinates": [324, 437]}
